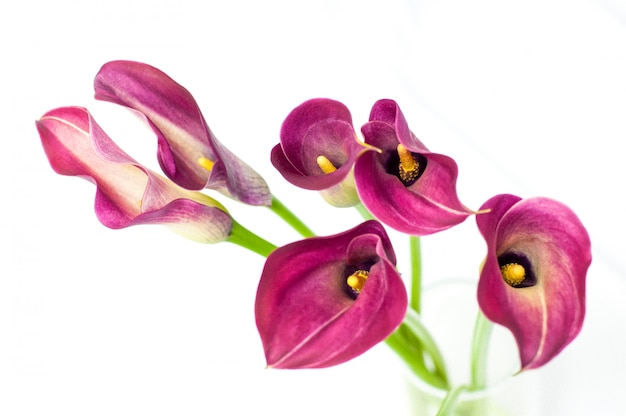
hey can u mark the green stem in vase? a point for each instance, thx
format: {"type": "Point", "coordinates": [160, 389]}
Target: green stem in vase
{"type": "Point", "coordinates": [409, 349]}
{"type": "Point", "coordinates": [449, 402]}
{"type": "Point", "coordinates": [411, 341]}
{"type": "Point", "coordinates": [414, 322]}
{"type": "Point", "coordinates": [480, 347]}
{"type": "Point", "coordinates": [290, 218]}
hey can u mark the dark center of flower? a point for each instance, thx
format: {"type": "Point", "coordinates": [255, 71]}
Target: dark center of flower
{"type": "Point", "coordinates": [406, 165]}
{"type": "Point", "coordinates": [516, 270]}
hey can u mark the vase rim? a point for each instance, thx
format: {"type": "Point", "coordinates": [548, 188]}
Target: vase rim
{"type": "Point", "coordinates": [440, 393]}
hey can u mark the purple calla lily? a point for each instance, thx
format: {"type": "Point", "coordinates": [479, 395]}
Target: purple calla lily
{"type": "Point", "coordinates": [406, 186]}
{"type": "Point", "coordinates": [325, 300]}
{"type": "Point", "coordinates": [188, 152]}
{"type": "Point", "coordinates": [127, 193]}
{"type": "Point", "coordinates": [317, 150]}
{"type": "Point", "coordinates": [533, 279]}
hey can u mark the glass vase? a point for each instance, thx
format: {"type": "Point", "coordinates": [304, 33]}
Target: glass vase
{"type": "Point", "coordinates": [449, 311]}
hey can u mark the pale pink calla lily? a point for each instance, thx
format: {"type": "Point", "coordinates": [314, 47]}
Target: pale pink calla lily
{"type": "Point", "coordinates": [127, 193]}
{"type": "Point", "coordinates": [325, 300]}
{"type": "Point", "coordinates": [188, 152]}
{"type": "Point", "coordinates": [533, 279]}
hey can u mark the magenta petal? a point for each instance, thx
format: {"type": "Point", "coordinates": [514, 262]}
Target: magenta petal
{"type": "Point", "coordinates": [317, 127]}
{"type": "Point", "coordinates": [305, 313]}
{"type": "Point", "coordinates": [127, 193]}
{"type": "Point", "coordinates": [183, 135]}
{"type": "Point", "coordinates": [428, 205]}
{"type": "Point", "coordinates": [550, 241]}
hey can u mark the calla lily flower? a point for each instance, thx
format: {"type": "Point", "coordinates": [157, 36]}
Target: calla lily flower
{"type": "Point", "coordinates": [533, 279]}
{"type": "Point", "coordinates": [317, 150]}
{"type": "Point", "coordinates": [127, 193]}
{"type": "Point", "coordinates": [188, 152]}
{"type": "Point", "coordinates": [406, 186]}
{"type": "Point", "coordinates": [325, 300]}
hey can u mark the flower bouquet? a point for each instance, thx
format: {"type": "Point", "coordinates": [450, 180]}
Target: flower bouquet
{"type": "Point", "coordinates": [324, 300]}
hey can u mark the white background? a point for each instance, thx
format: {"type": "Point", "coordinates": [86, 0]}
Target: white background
{"type": "Point", "coordinates": [528, 97]}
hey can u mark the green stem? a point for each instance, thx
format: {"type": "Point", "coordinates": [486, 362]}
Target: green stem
{"type": "Point", "coordinates": [243, 237]}
{"type": "Point", "coordinates": [416, 272]}
{"type": "Point", "coordinates": [364, 212]}
{"type": "Point", "coordinates": [449, 402]}
{"type": "Point", "coordinates": [414, 323]}
{"type": "Point", "coordinates": [290, 218]}
{"type": "Point", "coordinates": [480, 346]}
{"type": "Point", "coordinates": [408, 348]}
{"type": "Point", "coordinates": [410, 341]}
